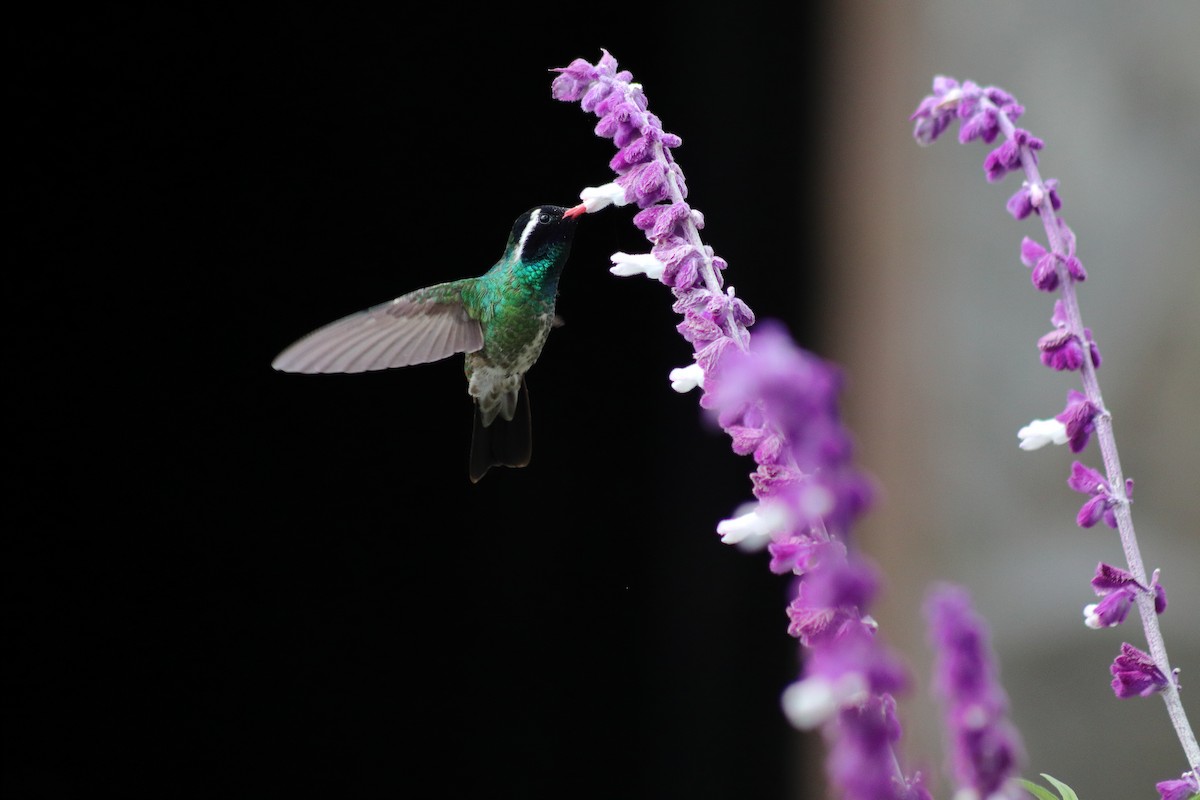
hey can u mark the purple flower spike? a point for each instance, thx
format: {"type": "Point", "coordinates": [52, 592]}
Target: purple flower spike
{"type": "Point", "coordinates": [1080, 418]}
{"type": "Point", "coordinates": [1135, 674]}
{"type": "Point", "coordinates": [1182, 788]}
{"type": "Point", "coordinates": [987, 749]}
{"type": "Point", "coordinates": [1055, 267]}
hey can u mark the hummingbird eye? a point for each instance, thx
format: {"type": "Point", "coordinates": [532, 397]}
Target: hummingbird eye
{"type": "Point", "coordinates": [544, 219]}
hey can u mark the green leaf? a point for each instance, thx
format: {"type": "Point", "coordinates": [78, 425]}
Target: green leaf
{"type": "Point", "coordinates": [1042, 793]}
{"type": "Point", "coordinates": [1066, 791]}
{"type": "Point", "coordinates": [1037, 791]}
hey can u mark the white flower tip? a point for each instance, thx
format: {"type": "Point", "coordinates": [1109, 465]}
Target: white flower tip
{"type": "Point", "coordinates": [812, 701]}
{"type": "Point", "coordinates": [625, 265]}
{"type": "Point", "coordinates": [1041, 432]}
{"type": "Point", "coordinates": [597, 197]}
{"type": "Point", "coordinates": [951, 98]}
{"type": "Point", "coordinates": [808, 703]}
{"type": "Point", "coordinates": [759, 523]}
{"type": "Point", "coordinates": [736, 529]}
{"type": "Point", "coordinates": [1036, 195]}
{"type": "Point", "coordinates": [1090, 618]}
{"type": "Point", "coordinates": [684, 379]}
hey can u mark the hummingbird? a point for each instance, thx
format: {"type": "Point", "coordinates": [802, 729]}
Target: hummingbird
{"type": "Point", "coordinates": [500, 320]}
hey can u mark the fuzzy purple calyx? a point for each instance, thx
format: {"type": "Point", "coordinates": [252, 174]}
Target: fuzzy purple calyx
{"type": "Point", "coordinates": [1181, 788]}
{"type": "Point", "coordinates": [1135, 674]}
{"type": "Point", "coordinates": [1119, 591]}
{"type": "Point", "coordinates": [1103, 502]}
{"type": "Point", "coordinates": [1079, 417]}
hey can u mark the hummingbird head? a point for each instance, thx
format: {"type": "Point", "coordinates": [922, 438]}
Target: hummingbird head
{"type": "Point", "coordinates": [542, 233]}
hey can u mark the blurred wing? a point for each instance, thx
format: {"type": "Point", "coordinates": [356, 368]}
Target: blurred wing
{"type": "Point", "coordinates": [421, 326]}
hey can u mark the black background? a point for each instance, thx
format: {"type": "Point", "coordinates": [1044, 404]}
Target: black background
{"type": "Point", "coordinates": [222, 581]}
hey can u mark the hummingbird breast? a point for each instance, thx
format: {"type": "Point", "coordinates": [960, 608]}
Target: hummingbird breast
{"type": "Point", "coordinates": [514, 333]}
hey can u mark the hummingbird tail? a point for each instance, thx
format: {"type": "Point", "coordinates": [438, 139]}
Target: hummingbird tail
{"type": "Point", "coordinates": [504, 443]}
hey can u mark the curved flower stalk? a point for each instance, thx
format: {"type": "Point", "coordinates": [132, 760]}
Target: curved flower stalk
{"type": "Point", "coordinates": [779, 405]}
{"type": "Point", "coordinates": [987, 114]}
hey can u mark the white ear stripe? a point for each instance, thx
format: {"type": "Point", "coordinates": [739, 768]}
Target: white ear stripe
{"type": "Point", "coordinates": [529, 226]}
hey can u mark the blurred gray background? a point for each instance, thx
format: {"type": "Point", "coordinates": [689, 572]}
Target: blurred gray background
{"type": "Point", "coordinates": [935, 318]}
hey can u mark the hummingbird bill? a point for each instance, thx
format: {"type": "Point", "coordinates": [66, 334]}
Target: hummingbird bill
{"type": "Point", "coordinates": [500, 320]}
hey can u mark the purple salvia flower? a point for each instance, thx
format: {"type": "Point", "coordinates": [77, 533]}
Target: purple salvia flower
{"type": "Point", "coordinates": [1111, 611]}
{"type": "Point", "coordinates": [1043, 262]}
{"type": "Point", "coordinates": [984, 124]}
{"type": "Point", "coordinates": [1074, 425]}
{"type": "Point", "coordinates": [1072, 263]}
{"type": "Point", "coordinates": [1119, 590]}
{"type": "Point", "coordinates": [1007, 157]}
{"type": "Point", "coordinates": [1030, 198]}
{"type": "Point", "coordinates": [1103, 503]}
{"type": "Point", "coordinates": [987, 749]}
{"type": "Point", "coordinates": [800, 554]}
{"type": "Point", "coordinates": [846, 666]}
{"type": "Point", "coordinates": [937, 111]}
{"type": "Point", "coordinates": [1135, 674]}
{"type": "Point", "coordinates": [576, 80]}
{"type": "Point", "coordinates": [860, 754]}
{"type": "Point", "coordinates": [1160, 594]}
{"type": "Point", "coordinates": [1182, 788]}
{"type": "Point", "coordinates": [1063, 350]}
{"type": "Point", "coordinates": [1079, 417]}
{"type": "Point", "coordinates": [794, 395]}
{"type": "Point", "coordinates": [830, 602]}
{"type": "Point", "coordinates": [984, 114]}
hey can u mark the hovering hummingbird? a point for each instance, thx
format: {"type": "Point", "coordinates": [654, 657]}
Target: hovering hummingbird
{"type": "Point", "coordinates": [500, 320]}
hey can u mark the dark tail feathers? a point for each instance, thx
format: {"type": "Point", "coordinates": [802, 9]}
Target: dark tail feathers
{"type": "Point", "coordinates": [504, 443]}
